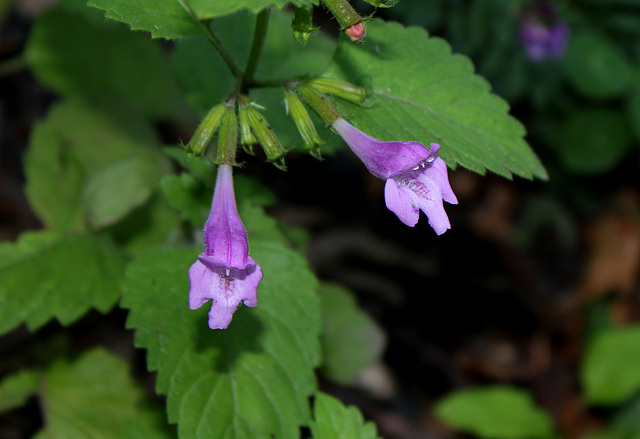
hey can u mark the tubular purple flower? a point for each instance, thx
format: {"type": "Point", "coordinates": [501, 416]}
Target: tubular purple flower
{"type": "Point", "coordinates": [416, 178]}
{"type": "Point", "coordinates": [542, 33]}
{"type": "Point", "coordinates": [224, 272]}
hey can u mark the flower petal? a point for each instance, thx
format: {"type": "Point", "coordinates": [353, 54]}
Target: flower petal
{"type": "Point", "coordinates": [429, 199]}
{"type": "Point", "coordinates": [201, 278]}
{"type": "Point", "coordinates": [399, 201]}
{"type": "Point", "coordinates": [438, 174]}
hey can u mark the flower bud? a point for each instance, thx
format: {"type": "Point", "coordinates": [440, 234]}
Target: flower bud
{"type": "Point", "coordinates": [319, 102]}
{"type": "Point", "coordinates": [228, 135]}
{"type": "Point", "coordinates": [295, 108]}
{"type": "Point", "coordinates": [341, 89]}
{"type": "Point", "coordinates": [265, 135]}
{"type": "Point", "coordinates": [347, 17]}
{"type": "Point", "coordinates": [205, 131]}
{"type": "Point", "coordinates": [302, 25]}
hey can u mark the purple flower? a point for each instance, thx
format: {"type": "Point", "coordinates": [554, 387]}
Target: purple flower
{"type": "Point", "coordinates": [543, 35]}
{"type": "Point", "coordinates": [416, 178]}
{"type": "Point", "coordinates": [224, 272]}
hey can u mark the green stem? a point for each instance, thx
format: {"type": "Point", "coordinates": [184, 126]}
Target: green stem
{"type": "Point", "coordinates": [259, 37]}
{"type": "Point", "coordinates": [215, 42]}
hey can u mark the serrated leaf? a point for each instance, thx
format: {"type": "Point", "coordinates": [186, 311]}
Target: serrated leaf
{"type": "Point", "coordinates": [170, 19]}
{"type": "Point", "coordinates": [94, 397]}
{"type": "Point", "coordinates": [16, 388]}
{"type": "Point", "coordinates": [351, 339]}
{"type": "Point", "coordinates": [593, 140]}
{"type": "Point", "coordinates": [421, 92]}
{"type": "Point", "coordinates": [70, 147]}
{"type": "Point", "coordinates": [101, 61]}
{"type": "Point", "coordinates": [249, 380]}
{"type": "Point", "coordinates": [595, 66]}
{"type": "Point", "coordinates": [495, 412]}
{"type": "Point", "coordinates": [333, 420]}
{"type": "Point", "coordinates": [609, 370]}
{"type": "Point", "coordinates": [46, 275]}
{"type": "Point", "coordinates": [119, 188]}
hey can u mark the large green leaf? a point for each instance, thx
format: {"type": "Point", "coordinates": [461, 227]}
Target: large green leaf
{"type": "Point", "coordinates": [94, 397]}
{"type": "Point", "coordinates": [250, 380]}
{"type": "Point", "coordinates": [609, 370]}
{"type": "Point", "coordinates": [420, 91]}
{"type": "Point", "coordinates": [45, 275]}
{"type": "Point", "coordinates": [101, 61]}
{"type": "Point", "coordinates": [72, 147]}
{"type": "Point", "coordinates": [332, 420]}
{"type": "Point", "coordinates": [351, 339]}
{"type": "Point", "coordinates": [171, 19]}
{"type": "Point", "coordinates": [496, 412]}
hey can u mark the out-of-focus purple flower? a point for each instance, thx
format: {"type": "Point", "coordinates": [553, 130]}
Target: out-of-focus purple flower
{"type": "Point", "coordinates": [416, 178]}
{"type": "Point", "coordinates": [224, 272]}
{"type": "Point", "coordinates": [543, 35]}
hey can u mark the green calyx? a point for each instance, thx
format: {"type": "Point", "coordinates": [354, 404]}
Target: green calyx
{"type": "Point", "coordinates": [319, 102]}
{"type": "Point", "coordinates": [341, 89]}
{"type": "Point", "coordinates": [302, 25]}
{"type": "Point", "coordinates": [296, 109]}
{"type": "Point", "coordinates": [343, 12]}
{"type": "Point", "coordinates": [264, 134]}
{"type": "Point", "coordinates": [228, 135]}
{"type": "Point", "coordinates": [205, 131]}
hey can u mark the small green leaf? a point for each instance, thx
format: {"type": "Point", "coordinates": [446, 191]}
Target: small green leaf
{"type": "Point", "coordinates": [249, 380]}
{"type": "Point", "coordinates": [94, 397]}
{"type": "Point", "coordinates": [70, 147]}
{"type": "Point", "coordinates": [496, 412]}
{"type": "Point", "coordinates": [16, 388]}
{"type": "Point", "coordinates": [421, 92]}
{"type": "Point", "coordinates": [609, 370]}
{"type": "Point", "coordinates": [332, 420]}
{"type": "Point", "coordinates": [595, 66]}
{"type": "Point", "coordinates": [170, 19]}
{"type": "Point", "coordinates": [45, 275]}
{"type": "Point", "coordinates": [351, 339]}
{"type": "Point", "coordinates": [593, 140]}
{"type": "Point", "coordinates": [118, 189]}
{"type": "Point", "coordinates": [101, 61]}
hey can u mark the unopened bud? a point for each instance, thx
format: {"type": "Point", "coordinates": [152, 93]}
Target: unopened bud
{"type": "Point", "coordinates": [205, 131]}
{"type": "Point", "coordinates": [341, 89]}
{"type": "Point", "coordinates": [320, 103]}
{"type": "Point", "coordinates": [302, 24]}
{"type": "Point", "coordinates": [356, 32]}
{"type": "Point", "coordinates": [228, 136]}
{"type": "Point", "coordinates": [345, 14]}
{"type": "Point", "coordinates": [296, 109]}
{"type": "Point", "coordinates": [266, 136]}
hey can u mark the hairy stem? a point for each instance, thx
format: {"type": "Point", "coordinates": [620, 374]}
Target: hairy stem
{"type": "Point", "coordinates": [215, 42]}
{"type": "Point", "coordinates": [259, 37]}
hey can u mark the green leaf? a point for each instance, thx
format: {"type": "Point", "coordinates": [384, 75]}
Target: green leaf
{"type": "Point", "coordinates": [94, 397]}
{"type": "Point", "coordinates": [250, 380]}
{"type": "Point", "coordinates": [351, 339]}
{"type": "Point", "coordinates": [119, 188]}
{"type": "Point", "coordinates": [188, 196]}
{"type": "Point", "coordinates": [495, 412]}
{"type": "Point", "coordinates": [609, 370]}
{"type": "Point", "coordinates": [169, 19]}
{"type": "Point", "coordinates": [421, 92]}
{"type": "Point", "coordinates": [595, 66]}
{"type": "Point", "coordinates": [101, 61]}
{"type": "Point", "coordinates": [633, 110]}
{"type": "Point", "coordinates": [332, 420]}
{"type": "Point", "coordinates": [593, 140]}
{"type": "Point", "coordinates": [45, 275]}
{"type": "Point", "coordinates": [70, 147]}
{"type": "Point", "coordinates": [16, 388]}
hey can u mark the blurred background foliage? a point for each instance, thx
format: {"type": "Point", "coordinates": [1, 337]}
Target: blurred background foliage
{"type": "Point", "coordinates": [523, 321]}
